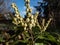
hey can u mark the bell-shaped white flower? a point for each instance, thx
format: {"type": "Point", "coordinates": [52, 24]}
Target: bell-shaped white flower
{"type": "Point", "coordinates": [29, 14]}
{"type": "Point", "coordinates": [24, 28]}
{"type": "Point", "coordinates": [30, 26]}
{"type": "Point", "coordinates": [19, 37]}
{"type": "Point", "coordinates": [32, 16]}
{"type": "Point", "coordinates": [17, 15]}
{"type": "Point", "coordinates": [27, 10]}
{"type": "Point", "coordinates": [32, 21]}
{"type": "Point", "coordinates": [22, 24]}
{"type": "Point", "coordinates": [21, 18]}
{"type": "Point", "coordinates": [13, 5]}
{"type": "Point", "coordinates": [27, 5]}
{"type": "Point", "coordinates": [30, 10]}
{"type": "Point", "coordinates": [25, 25]}
{"type": "Point", "coordinates": [27, 0]}
{"type": "Point", "coordinates": [16, 12]}
{"type": "Point", "coordinates": [15, 19]}
{"type": "Point", "coordinates": [27, 20]}
{"type": "Point", "coordinates": [16, 8]}
{"type": "Point", "coordinates": [37, 13]}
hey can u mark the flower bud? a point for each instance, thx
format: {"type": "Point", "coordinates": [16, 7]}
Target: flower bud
{"type": "Point", "coordinates": [29, 15]}
{"type": "Point", "coordinates": [30, 26]}
{"type": "Point", "coordinates": [21, 19]}
{"type": "Point", "coordinates": [13, 5]}
{"type": "Point", "coordinates": [32, 16]}
{"type": "Point", "coordinates": [35, 17]}
{"type": "Point", "coordinates": [25, 25]}
{"type": "Point", "coordinates": [19, 22]}
{"type": "Point", "coordinates": [16, 8]}
{"type": "Point", "coordinates": [27, 0]}
{"type": "Point", "coordinates": [19, 37]}
{"type": "Point", "coordinates": [27, 20]}
{"type": "Point", "coordinates": [30, 10]}
{"type": "Point", "coordinates": [15, 19]}
{"type": "Point", "coordinates": [32, 21]}
{"type": "Point", "coordinates": [22, 24]}
{"type": "Point", "coordinates": [17, 15]}
{"type": "Point", "coordinates": [37, 13]}
{"type": "Point", "coordinates": [24, 28]}
{"type": "Point", "coordinates": [16, 12]}
{"type": "Point", "coordinates": [27, 10]}
{"type": "Point", "coordinates": [27, 5]}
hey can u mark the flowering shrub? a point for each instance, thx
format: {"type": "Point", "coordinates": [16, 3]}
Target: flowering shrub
{"type": "Point", "coordinates": [28, 31]}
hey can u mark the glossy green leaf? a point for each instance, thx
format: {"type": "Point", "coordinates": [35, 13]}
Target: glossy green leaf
{"type": "Point", "coordinates": [39, 44]}
{"type": "Point", "coordinates": [51, 38]}
{"type": "Point", "coordinates": [40, 37]}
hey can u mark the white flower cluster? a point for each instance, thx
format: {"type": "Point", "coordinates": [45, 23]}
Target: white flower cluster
{"type": "Point", "coordinates": [31, 20]}
{"type": "Point", "coordinates": [15, 8]}
{"type": "Point", "coordinates": [17, 19]}
{"type": "Point", "coordinates": [47, 24]}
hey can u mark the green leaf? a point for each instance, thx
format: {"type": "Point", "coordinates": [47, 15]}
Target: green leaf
{"type": "Point", "coordinates": [41, 37]}
{"type": "Point", "coordinates": [21, 41]}
{"type": "Point", "coordinates": [39, 44]}
{"type": "Point", "coordinates": [1, 39]}
{"type": "Point", "coordinates": [51, 38]}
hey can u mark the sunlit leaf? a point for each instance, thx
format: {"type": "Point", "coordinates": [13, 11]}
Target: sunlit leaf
{"type": "Point", "coordinates": [39, 44]}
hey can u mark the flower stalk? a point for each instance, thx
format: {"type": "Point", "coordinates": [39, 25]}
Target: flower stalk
{"type": "Point", "coordinates": [30, 20]}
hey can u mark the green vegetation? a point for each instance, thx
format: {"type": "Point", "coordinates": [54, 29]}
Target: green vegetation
{"type": "Point", "coordinates": [28, 31]}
